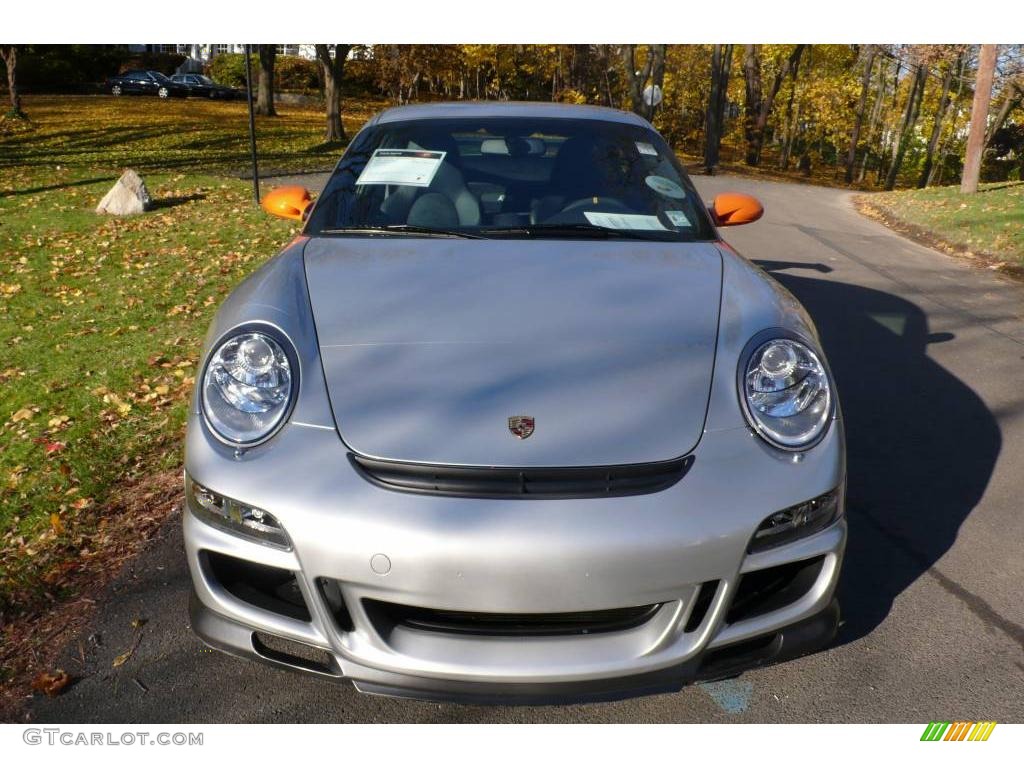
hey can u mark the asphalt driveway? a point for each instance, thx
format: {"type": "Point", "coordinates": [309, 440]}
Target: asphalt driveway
{"type": "Point", "coordinates": [928, 353]}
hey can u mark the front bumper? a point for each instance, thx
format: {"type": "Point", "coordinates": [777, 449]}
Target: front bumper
{"type": "Point", "coordinates": [515, 556]}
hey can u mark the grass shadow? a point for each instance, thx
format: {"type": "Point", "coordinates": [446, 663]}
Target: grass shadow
{"type": "Point", "coordinates": [171, 202]}
{"type": "Point", "coordinates": [52, 187]}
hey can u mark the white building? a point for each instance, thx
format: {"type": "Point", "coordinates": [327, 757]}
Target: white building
{"type": "Point", "coordinates": [203, 52]}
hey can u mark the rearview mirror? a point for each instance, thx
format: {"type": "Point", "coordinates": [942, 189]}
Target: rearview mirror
{"type": "Point", "coordinates": [732, 208]}
{"type": "Point", "coordinates": [287, 202]}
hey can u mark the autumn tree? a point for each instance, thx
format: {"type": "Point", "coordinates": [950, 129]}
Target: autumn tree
{"type": "Point", "coordinates": [9, 53]}
{"type": "Point", "coordinates": [759, 101]}
{"type": "Point", "coordinates": [1012, 98]}
{"type": "Point", "coordinates": [951, 60]}
{"type": "Point", "coordinates": [637, 78]}
{"type": "Point", "coordinates": [870, 51]}
{"type": "Point", "coordinates": [265, 83]}
{"type": "Point", "coordinates": [721, 64]}
{"type": "Point", "coordinates": [333, 69]}
{"type": "Point", "coordinates": [911, 109]}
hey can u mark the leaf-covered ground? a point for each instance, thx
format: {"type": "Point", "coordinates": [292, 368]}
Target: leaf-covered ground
{"type": "Point", "coordinates": [101, 318]}
{"type": "Point", "coordinates": [988, 224]}
{"type": "Point", "coordinates": [104, 134]}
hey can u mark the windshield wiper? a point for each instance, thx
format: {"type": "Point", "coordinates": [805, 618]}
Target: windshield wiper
{"type": "Point", "coordinates": [570, 230]}
{"type": "Point", "coordinates": [401, 229]}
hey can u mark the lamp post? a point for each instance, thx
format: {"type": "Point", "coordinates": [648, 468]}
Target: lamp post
{"type": "Point", "coordinates": [252, 125]}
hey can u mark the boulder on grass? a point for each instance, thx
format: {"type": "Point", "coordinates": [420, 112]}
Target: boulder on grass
{"type": "Point", "coordinates": [128, 196]}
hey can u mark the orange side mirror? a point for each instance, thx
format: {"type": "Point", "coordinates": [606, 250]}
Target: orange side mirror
{"type": "Point", "coordinates": [732, 208]}
{"type": "Point", "coordinates": [287, 202]}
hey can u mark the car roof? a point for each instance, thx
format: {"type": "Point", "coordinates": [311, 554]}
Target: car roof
{"type": "Point", "coordinates": [477, 109]}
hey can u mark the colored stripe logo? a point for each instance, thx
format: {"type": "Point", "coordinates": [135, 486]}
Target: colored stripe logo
{"type": "Point", "coordinates": [958, 731]}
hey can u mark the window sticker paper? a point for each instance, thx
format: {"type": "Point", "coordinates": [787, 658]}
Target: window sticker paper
{"type": "Point", "coordinates": [623, 220]}
{"type": "Point", "coordinates": [678, 218]}
{"type": "Point", "coordinates": [405, 167]}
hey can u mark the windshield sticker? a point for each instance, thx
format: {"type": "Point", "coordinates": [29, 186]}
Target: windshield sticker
{"type": "Point", "coordinates": [623, 220]}
{"type": "Point", "coordinates": [665, 187]}
{"type": "Point", "coordinates": [407, 167]}
{"type": "Point", "coordinates": [646, 149]}
{"type": "Point", "coordinates": [678, 219]}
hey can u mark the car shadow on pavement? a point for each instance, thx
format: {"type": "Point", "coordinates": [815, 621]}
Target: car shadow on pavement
{"type": "Point", "coordinates": [921, 443]}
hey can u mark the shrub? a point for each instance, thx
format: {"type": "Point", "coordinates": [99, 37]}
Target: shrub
{"type": "Point", "coordinates": [228, 69]}
{"type": "Point", "coordinates": [293, 73]}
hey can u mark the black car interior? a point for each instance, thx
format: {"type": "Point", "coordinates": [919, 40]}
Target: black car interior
{"type": "Point", "coordinates": [514, 173]}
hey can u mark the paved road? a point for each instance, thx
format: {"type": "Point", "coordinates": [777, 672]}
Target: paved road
{"type": "Point", "coordinates": [929, 358]}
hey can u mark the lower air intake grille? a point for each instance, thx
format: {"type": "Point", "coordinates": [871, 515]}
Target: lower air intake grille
{"type": "Point", "coordinates": [509, 624]}
{"type": "Point", "coordinates": [523, 482]}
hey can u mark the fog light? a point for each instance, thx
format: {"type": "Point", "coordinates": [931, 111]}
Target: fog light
{"type": "Point", "coordinates": [234, 516]}
{"type": "Point", "coordinates": [796, 522]}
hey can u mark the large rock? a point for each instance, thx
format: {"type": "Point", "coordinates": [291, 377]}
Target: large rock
{"type": "Point", "coordinates": [128, 196]}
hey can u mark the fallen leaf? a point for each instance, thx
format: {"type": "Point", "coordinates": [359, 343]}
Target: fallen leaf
{"type": "Point", "coordinates": [51, 684]}
{"type": "Point", "coordinates": [22, 415]}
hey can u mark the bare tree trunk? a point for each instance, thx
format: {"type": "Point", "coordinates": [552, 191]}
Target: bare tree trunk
{"type": "Point", "coordinates": [910, 114]}
{"type": "Point", "coordinates": [265, 84]}
{"type": "Point", "coordinates": [752, 99]}
{"type": "Point", "coordinates": [790, 120]}
{"type": "Point", "coordinates": [979, 117]}
{"type": "Point", "coordinates": [858, 120]}
{"type": "Point", "coordinates": [654, 70]}
{"type": "Point", "coordinates": [721, 63]}
{"type": "Point", "coordinates": [792, 123]}
{"type": "Point", "coordinates": [935, 177]}
{"type": "Point", "coordinates": [1014, 96]}
{"type": "Point", "coordinates": [9, 53]}
{"type": "Point", "coordinates": [759, 107]}
{"type": "Point", "coordinates": [940, 115]}
{"type": "Point", "coordinates": [876, 115]}
{"type": "Point", "coordinates": [333, 70]}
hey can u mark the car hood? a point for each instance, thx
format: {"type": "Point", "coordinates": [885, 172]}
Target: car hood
{"type": "Point", "coordinates": [429, 346]}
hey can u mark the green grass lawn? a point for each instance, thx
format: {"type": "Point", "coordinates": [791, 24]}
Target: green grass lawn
{"type": "Point", "coordinates": [989, 223]}
{"type": "Point", "coordinates": [101, 318]}
{"type": "Point", "coordinates": [102, 134]}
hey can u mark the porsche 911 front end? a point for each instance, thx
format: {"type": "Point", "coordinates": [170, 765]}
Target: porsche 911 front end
{"type": "Point", "coordinates": [510, 422]}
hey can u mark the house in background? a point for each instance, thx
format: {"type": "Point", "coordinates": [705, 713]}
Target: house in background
{"type": "Point", "coordinates": [199, 54]}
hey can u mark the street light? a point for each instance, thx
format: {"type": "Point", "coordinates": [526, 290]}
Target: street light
{"type": "Point", "coordinates": [252, 125]}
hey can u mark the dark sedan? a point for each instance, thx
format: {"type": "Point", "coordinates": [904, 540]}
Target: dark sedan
{"type": "Point", "coordinates": [145, 81]}
{"type": "Point", "coordinates": [201, 85]}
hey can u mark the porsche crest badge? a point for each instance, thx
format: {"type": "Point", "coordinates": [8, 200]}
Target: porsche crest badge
{"type": "Point", "coordinates": [521, 426]}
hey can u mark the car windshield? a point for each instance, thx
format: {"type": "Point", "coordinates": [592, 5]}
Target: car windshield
{"type": "Point", "coordinates": [511, 177]}
{"type": "Point", "coordinates": [160, 77]}
{"type": "Point", "coordinates": [203, 79]}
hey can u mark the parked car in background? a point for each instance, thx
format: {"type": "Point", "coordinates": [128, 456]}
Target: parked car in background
{"type": "Point", "coordinates": [145, 81]}
{"type": "Point", "coordinates": [201, 85]}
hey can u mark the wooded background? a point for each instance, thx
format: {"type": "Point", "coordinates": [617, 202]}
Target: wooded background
{"type": "Point", "coordinates": [876, 116]}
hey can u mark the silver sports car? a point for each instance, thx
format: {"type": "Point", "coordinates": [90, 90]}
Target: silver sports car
{"type": "Point", "coordinates": [510, 421]}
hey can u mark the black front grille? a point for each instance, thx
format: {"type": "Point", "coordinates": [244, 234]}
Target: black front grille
{"type": "Point", "coordinates": [272, 589]}
{"type": "Point", "coordinates": [760, 592]}
{"type": "Point", "coordinates": [387, 615]}
{"type": "Point", "coordinates": [523, 482]}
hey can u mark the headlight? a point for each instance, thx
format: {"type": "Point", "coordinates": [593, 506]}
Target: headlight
{"type": "Point", "coordinates": [247, 387]}
{"type": "Point", "coordinates": [796, 522]}
{"type": "Point", "coordinates": [234, 516]}
{"type": "Point", "coordinates": [787, 394]}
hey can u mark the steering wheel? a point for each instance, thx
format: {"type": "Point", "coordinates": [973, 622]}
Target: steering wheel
{"type": "Point", "coordinates": [597, 203]}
